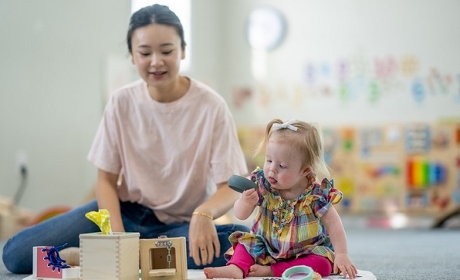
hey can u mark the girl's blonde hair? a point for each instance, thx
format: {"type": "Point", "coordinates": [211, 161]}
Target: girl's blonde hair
{"type": "Point", "coordinates": [307, 139]}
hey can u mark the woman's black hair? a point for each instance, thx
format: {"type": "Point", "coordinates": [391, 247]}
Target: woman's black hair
{"type": "Point", "coordinates": [158, 14]}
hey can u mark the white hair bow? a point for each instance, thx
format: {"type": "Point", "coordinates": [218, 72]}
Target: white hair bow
{"type": "Point", "coordinates": [288, 124]}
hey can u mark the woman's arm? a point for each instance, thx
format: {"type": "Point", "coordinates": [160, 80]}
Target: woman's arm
{"type": "Point", "coordinates": [204, 243]}
{"type": "Point", "coordinates": [107, 198]}
{"type": "Point", "coordinates": [220, 202]}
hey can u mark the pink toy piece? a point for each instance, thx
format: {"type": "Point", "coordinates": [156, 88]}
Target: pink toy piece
{"type": "Point", "coordinates": [42, 269]}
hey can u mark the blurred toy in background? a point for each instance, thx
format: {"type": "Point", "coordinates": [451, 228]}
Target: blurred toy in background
{"type": "Point", "coordinates": [12, 218]}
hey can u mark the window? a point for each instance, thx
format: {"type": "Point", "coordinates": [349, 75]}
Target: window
{"type": "Point", "coordinates": [183, 11]}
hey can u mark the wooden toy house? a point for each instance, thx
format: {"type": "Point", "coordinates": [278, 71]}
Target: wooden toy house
{"type": "Point", "coordinates": [163, 258]}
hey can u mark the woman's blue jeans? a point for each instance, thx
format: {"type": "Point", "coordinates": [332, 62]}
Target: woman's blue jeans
{"type": "Point", "coordinates": [67, 227]}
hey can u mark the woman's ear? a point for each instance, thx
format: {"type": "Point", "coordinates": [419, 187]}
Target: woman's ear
{"type": "Point", "coordinates": [183, 54]}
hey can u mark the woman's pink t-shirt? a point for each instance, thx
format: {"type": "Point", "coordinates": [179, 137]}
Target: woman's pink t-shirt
{"type": "Point", "coordinates": [171, 155]}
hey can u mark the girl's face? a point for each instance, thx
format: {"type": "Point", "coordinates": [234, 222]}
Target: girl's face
{"type": "Point", "coordinates": [156, 53]}
{"type": "Point", "coordinates": [283, 168]}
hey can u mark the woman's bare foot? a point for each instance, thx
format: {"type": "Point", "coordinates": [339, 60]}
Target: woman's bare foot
{"type": "Point", "coordinates": [71, 255]}
{"type": "Point", "coordinates": [229, 271]}
{"type": "Point", "coordinates": [258, 270]}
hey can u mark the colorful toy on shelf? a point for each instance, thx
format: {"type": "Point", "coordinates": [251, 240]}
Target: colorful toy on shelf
{"type": "Point", "coordinates": [422, 173]}
{"type": "Point", "coordinates": [417, 139]}
{"type": "Point", "coordinates": [163, 258]}
{"type": "Point", "coordinates": [47, 264]}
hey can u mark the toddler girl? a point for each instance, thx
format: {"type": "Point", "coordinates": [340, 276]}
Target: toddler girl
{"type": "Point", "coordinates": [296, 222]}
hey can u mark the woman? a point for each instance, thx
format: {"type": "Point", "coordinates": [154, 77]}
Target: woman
{"type": "Point", "coordinates": [173, 140]}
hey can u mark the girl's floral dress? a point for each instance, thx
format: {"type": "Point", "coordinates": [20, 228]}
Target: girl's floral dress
{"type": "Point", "coordinates": [287, 229]}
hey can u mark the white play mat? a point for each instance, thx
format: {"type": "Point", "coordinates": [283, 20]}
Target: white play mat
{"type": "Point", "coordinates": [362, 275]}
{"type": "Point", "coordinates": [197, 274]}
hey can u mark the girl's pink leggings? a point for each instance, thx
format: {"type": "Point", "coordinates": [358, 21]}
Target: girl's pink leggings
{"type": "Point", "coordinates": [242, 259]}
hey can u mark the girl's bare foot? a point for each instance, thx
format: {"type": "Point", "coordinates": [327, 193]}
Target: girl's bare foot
{"type": "Point", "coordinates": [258, 270]}
{"type": "Point", "coordinates": [229, 271]}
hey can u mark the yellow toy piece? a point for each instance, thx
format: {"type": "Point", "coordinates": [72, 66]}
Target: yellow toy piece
{"type": "Point", "coordinates": [102, 219]}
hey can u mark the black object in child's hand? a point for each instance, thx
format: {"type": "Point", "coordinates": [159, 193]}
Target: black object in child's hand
{"type": "Point", "coordinates": [240, 184]}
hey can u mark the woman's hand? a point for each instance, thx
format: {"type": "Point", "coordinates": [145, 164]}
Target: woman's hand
{"type": "Point", "coordinates": [203, 241]}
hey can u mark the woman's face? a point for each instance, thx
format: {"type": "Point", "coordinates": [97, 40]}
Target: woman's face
{"type": "Point", "coordinates": [156, 53]}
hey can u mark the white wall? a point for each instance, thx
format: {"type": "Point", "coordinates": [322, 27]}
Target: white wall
{"type": "Point", "coordinates": [360, 35]}
{"type": "Point", "coordinates": [55, 57]}
{"type": "Point", "coordinates": [59, 62]}
{"type": "Point", "coordinates": [52, 57]}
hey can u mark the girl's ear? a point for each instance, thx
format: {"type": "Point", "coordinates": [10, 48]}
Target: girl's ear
{"type": "Point", "coordinates": [306, 171]}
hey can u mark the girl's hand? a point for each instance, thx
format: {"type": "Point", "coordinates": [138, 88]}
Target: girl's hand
{"type": "Point", "coordinates": [203, 241]}
{"type": "Point", "coordinates": [250, 197]}
{"type": "Point", "coordinates": [245, 204]}
{"type": "Point", "coordinates": [343, 263]}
